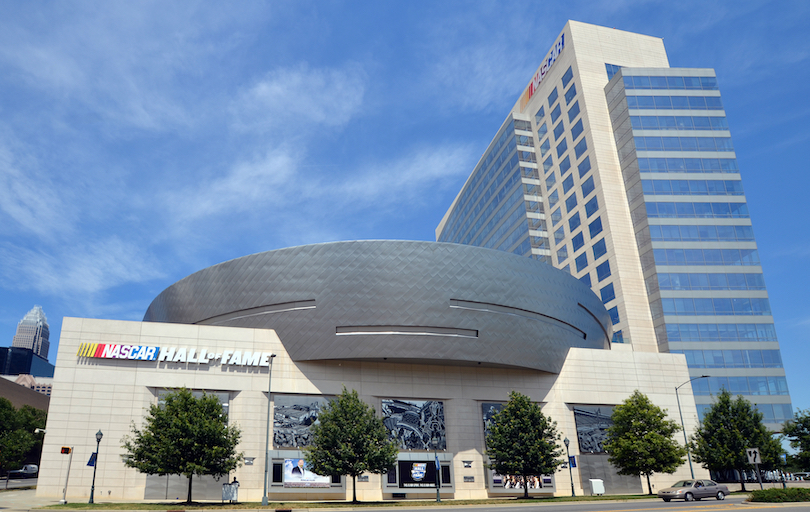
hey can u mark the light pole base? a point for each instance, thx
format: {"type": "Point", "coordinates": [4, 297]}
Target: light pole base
{"type": "Point", "coordinates": [63, 502]}
{"type": "Point", "coordinates": [264, 500]}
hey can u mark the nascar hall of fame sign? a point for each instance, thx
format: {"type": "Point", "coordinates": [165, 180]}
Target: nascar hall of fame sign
{"type": "Point", "coordinates": [173, 354]}
{"type": "Point", "coordinates": [541, 73]}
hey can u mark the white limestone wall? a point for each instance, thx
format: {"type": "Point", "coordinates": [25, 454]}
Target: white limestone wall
{"type": "Point", "coordinates": [91, 394]}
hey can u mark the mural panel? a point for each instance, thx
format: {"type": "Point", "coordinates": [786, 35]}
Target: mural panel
{"type": "Point", "coordinates": [592, 422]}
{"type": "Point", "coordinates": [292, 417]}
{"type": "Point", "coordinates": [417, 425]}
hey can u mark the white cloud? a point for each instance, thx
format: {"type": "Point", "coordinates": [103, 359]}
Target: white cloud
{"type": "Point", "coordinates": [405, 178]}
{"type": "Point", "coordinates": [29, 200]}
{"type": "Point", "coordinates": [247, 184]}
{"type": "Point", "coordinates": [76, 271]}
{"type": "Point", "coordinates": [301, 98]}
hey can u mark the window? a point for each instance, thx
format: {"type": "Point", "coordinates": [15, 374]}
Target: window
{"type": "Point", "coordinates": [552, 97]}
{"type": "Point", "coordinates": [548, 163]}
{"type": "Point", "coordinates": [570, 93]}
{"type": "Point", "coordinates": [574, 222]}
{"type": "Point", "coordinates": [599, 249]}
{"type": "Point", "coordinates": [562, 254]}
{"type": "Point", "coordinates": [584, 166]}
{"type": "Point", "coordinates": [581, 147]}
{"type": "Point", "coordinates": [607, 293]}
{"type": "Point", "coordinates": [618, 337]}
{"type": "Point", "coordinates": [603, 271]}
{"type": "Point", "coordinates": [581, 261]}
{"type": "Point", "coordinates": [586, 279]}
{"type": "Point", "coordinates": [559, 235]}
{"type": "Point", "coordinates": [568, 183]}
{"type": "Point", "coordinates": [614, 314]}
{"type": "Point", "coordinates": [544, 147]}
{"type": "Point", "coordinates": [573, 112]}
{"type": "Point", "coordinates": [571, 202]}
{"type": "Point", "coordinates": [562, 147]}
{"type": "Point", "coordinates": [567, 76]}
{"type": "Point", "coordinates": [555, 114]}
{"type": "Point", "coordinates": [551, 180]}
{"type": "Point", "coordinates": [565, 165]}
{"type": "Point", "coordinates": [578, 241]}
{"type": "Point", "coordinates": [556, 216]}
{"type": "Point", "coordinates": [558, 130]}
{"type": "Point", "coordinates": [588, 187]}
{"type": "Point", "coordinates": [540, 115]}
{"type": "Point", "coordinates": [542, 130]}
{"type": "Point", "coordinates": [595, 227]}
{"type": "Point", "coordinates": [553, 199]}
{"type": "Point", "coordinates": [576, 130]}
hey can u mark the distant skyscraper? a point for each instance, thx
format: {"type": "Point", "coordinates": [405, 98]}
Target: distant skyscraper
{"type": "Point", "coordinates": [621, 170]}
{"type": "Point", "coordinates": [33, 333]}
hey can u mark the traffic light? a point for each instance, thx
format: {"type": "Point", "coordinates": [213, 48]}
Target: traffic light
{"type": "Point", "coordinates": [65, 450]}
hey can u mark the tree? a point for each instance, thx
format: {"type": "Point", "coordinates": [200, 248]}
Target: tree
{"type": "Point", "coordinates": [640, 442]}
{"type": "Point", "coordinates": [728, 428]}
{"type": "Point", "coordinates": [797, 431]}
{"type": "Point", "coordinates": [350, 440]}
{"type": "Point", "coordinates": [18, 442]}
{"type": "Point", "coordinates": [522, 441]}
{"type": "Point", "coordinates": [185, 435]}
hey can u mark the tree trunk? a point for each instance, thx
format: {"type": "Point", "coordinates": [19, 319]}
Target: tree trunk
{"type": "Point", "coordinates": [525, 487]}
{"type": "Point", "coordinates": [188, 499]}
{"type": "Point", "coordinates": [742, 479]}
{"type": "Point", "coordinates": [354, 489]}
{"type": "Point", "coordinates": [649, 487]}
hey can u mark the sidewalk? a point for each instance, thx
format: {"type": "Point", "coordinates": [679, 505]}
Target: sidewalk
{"type": "Point", "coordinates": [24, 500]}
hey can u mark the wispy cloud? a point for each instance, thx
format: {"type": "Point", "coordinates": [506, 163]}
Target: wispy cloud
{"type": "Point", "coordinates": [30, 203]}
{"type": "Point", "coordinates": [301, 98]}
{"type": "Point", "coordinates": [84, 269]}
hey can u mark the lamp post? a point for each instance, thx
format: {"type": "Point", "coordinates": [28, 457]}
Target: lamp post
{"type": "Point", "coordinates": [99, 435]}
{"type": "Point", "coordinates": [570, 471]}
{"type": "Point", "coordinates": [267, 433]}
{"type": "Point", "coordinates": [683, 426]}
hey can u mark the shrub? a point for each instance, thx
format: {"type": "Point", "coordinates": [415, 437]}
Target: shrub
{"type": "Point", "coordinates": [781, 495]}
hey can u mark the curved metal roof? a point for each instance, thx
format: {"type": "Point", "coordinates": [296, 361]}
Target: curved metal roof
{"type": "Point", "coordinates": [401, 301]}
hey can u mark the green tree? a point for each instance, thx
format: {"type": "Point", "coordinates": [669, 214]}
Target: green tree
{"type": "Point", "coordinates": [185, 435]}
{"type": "Point", "coordinates": [349, 439]}
{"type": "Point", "coordinates": [797, 431]}
{"type": "Point", "coordinates": [728, 428]}
{"type": "Point", "coordinates": [640, 442]}
{"type": "Point", "coordinates": [18, 442]}
{"type": "Point", "coordinates": [522, 441]}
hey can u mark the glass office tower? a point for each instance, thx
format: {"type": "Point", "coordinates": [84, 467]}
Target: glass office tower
{"type": "Point", "coordinates": [33, 333]}
{"type": "Point", "coordinates": [621, 170]}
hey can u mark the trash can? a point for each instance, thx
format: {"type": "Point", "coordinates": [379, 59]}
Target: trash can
{"type": "Point", "coordinates": [597, 486]}
{"type": "Point", "coordinates": [230, 492]}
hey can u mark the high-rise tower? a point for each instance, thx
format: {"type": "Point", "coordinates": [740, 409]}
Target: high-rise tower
{"type": "Point", "coordinates": [621, 170]}
{"type": "Point", "coordinates": [33, 333]}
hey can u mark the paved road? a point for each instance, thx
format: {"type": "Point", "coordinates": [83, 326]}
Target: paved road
{"type": "Point", "coordinates": [15, 483]}
{"type": "Point", "coordinates": [26, 500]}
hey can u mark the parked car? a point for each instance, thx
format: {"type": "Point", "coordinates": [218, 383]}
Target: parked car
{"type": "Point", "coordinates": [27, 471]}
{"type": "Point", "coordinates": [689, 490]}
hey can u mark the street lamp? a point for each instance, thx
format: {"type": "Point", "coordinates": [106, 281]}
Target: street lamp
{"type": "Point", "coordinates": [99, 435]}
{"type": "Point", "coordinates": [570, 471]}
{"type": "Point", "coordinates": [267, 433]}
{"type": "Point", "coordinates": [680, 413]}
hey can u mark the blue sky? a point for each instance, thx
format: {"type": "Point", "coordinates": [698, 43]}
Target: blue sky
{"type": "Point", "coordinates": [143, 141]}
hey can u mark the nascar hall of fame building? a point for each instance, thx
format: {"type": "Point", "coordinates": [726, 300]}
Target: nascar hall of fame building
{"type": "Point", "coordinates": [433, 335]}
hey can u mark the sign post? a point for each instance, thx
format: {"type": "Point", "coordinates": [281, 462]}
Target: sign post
{"type": "Point", "coordinates": [66, 450]}
{"type": "Point", "coordinates": [755, 459]}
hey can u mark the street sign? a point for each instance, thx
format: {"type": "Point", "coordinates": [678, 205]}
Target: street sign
{"type": "Point", "coordinates": [753, 456]}
{"type": "Point", "coordinates": [92, 461]}
{"type": "Point", "coordinates": [65, 450]}
{"type": "Point", "coordinates": [572, 460]}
